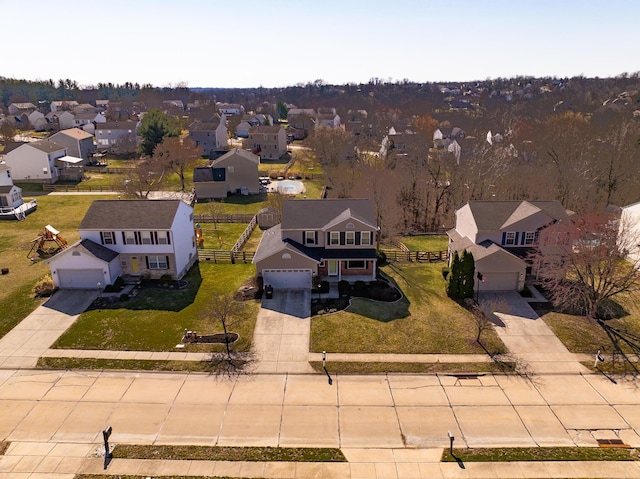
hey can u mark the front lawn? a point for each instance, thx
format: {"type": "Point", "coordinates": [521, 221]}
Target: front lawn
{"type": "Point", "coordinates": [424, 321]}
{"type": "Point", "coordinates": [156, 319]}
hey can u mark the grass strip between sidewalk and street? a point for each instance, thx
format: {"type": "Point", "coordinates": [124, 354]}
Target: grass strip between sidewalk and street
{"type": "Point", "coordinates": [215, 453]}
{"type": "Point", "coordinates": [127, 364]}
{"type": "Point", "coordinates": [144, 476]}
{"type": "Point", "coordinates": [4, 445]}
{"type": "Point", "coordinates": [338, 367]}
{"type": "Point", "coordinates": [509, 454]}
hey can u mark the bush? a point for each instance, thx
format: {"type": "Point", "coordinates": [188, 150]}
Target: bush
{"type": "Point", "coordinates": [343, 288]}
{"type": "Point", "coordinates": [124, 297]}
{"type": "Point", "coordinates": [44, 287]}
{"type": "Point", "coordinates": [382, 257]}
{"type": "Point", "coordinates": [260, 283]}
{"type": "Point", "coordinates": [360, 288]}
{"type": "Point", "coordinates": [165, 279]}
{"type": "Point", "coordinates": [109, 289]}
{"type": "Point", "coordinates": [324, 287]}
{"type": "Point", "coordinates": [118, 284]}
{"type": "Point", "coordinates": [526, 293]}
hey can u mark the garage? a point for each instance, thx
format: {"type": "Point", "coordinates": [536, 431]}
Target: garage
{"type": "Point", "coordinates": [80, 278]}
{"type": "Point", "coordinates": [287, 278]}
{"type": "Point", "coordinates": [499, 282]}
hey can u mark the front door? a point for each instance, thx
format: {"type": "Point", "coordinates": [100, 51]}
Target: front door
{"type": "Point", "coordinates": [333, 267]}
{"type": "Point", "coordinates": [134, 265]}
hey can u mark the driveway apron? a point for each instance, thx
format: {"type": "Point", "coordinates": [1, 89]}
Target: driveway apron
{"type": "Point", "coordinates": [526, 335]}
{"type": "Point", "coordinates": [281, 336]}
{"type": "Point", "coordinates": [23, 345]}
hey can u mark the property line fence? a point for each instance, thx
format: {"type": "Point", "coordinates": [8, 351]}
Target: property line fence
{"type": "Point", "coordinates": [107, 170]}
{"type": "Point", "coordinates": [246, 234]}
{"type": "Point", "coordinates": [225, 256]}
{"type": "Point", "coordinates": [418, 256]}
{"type": "Point", "coordinates": [233, 218]}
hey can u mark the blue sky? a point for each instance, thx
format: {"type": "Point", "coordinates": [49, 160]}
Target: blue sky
{"type": "Point", "coordinates": [249, 43]}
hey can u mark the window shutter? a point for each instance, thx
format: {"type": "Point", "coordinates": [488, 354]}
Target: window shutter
{"type": "Point", "coordinates": [124, 238]}
{"type": "Point", "coordinates": [146, 259]}
{"type": "Point", "coordinates": [154, 237]}
{"type": "Point", "coordinates": [504, 237]}
{"type": "Point", "coordinates": [168, 237]}
{"type": "Point", "coordinates": [113, 235]}
{"type": "Point", "coordinates": [342, 241]}
{"type": "Point", "coordinates": [515, 241]}
{"type": "Point", "coordinates": [315, 238]}
{"type": "Point", "coordinates": [136, 236]}
{"type": "Point", "coordinates": [168, 267]}
{"type": "Point", "coordinates": [358, 237]}
{"type": "Point", "coordinates": [524, 235]}
{"type": "Point", "coordinates": [101, 238]}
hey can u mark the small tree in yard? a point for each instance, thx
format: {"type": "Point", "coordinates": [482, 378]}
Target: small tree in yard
{"type": "Point", "coordinates": [453, 288]}
{"type": "Point", "coordinates": [155, 127]}
{"type": "Point", "coordinates": [583, 265]}
{"type": "Point", "coordinates": [178, 155]}
{"type": "Point", "coordinates": [228, 312]}
{"type": "Point", "coordinates": [467, 275]}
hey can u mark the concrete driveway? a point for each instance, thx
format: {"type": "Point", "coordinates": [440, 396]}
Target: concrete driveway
{"type": "Point", "coordinates": [281, 335]}
{"type": "Point", "coordinates": [526, 335]}
{"type": "Point", "coordinates": [23, 345]}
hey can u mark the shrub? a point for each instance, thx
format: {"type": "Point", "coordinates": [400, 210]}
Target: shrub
{"type": "Point", "coordinates": [526, 293]}
{"type": "Point", "coordinates": [382, 257]}
{"type": "Point", "coordinates": [260, 283]}
{"type": "Point", "coordinates": [44, 287]}
{"type": "Point", "coordinates": [360, 288]}
{"type": "Point", "coordinates": [343, 288]}
{"type": "Point", "coordinates": [109, 288]}
{"type": "Point", "coordinates": [445, 272]}
{"type": "Point", "coordinates": [324, 287]}
{"type": "Point", "coordinates": [124, 297]}
{"type": "Point", "coordinates": [118, 284]}
{"type": "Point", "coordinates": [165, 279]}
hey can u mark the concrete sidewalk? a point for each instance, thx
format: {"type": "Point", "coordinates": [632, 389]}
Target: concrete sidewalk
{"type": "Point", "coordinates": [32, 460]}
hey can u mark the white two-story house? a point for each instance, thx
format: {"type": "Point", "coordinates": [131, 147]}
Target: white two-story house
{"type": "Point", "coordinates": [129, 238]}
{"type": "Point", "coordinates": [331, 238]}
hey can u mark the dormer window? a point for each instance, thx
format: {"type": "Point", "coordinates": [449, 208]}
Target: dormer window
{"type": "Point", "coordinates": [310, 237]}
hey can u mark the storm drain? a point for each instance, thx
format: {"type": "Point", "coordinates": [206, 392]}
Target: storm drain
{"type": "Point", "coordinates": [612, 443]}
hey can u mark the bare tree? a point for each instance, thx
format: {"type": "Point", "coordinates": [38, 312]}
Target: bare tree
{"type": "Point", "coordinates": [7, 131]}
{"type": "Point", "coordinates": [144, 179]}
{"type": "Point", "coordinates": [178, 155]}
{"type": "Point", "coordinates": [228, 312]}
{"type": "Point", "coordinates": [583, 265]}
{"type": "Point", "coordinates": [331, 145]}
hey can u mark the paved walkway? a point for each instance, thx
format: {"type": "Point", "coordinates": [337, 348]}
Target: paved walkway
{"type": "Point", "coordinates": [33, 336]}
{"type": "Point", "coordinates": [527, 336]}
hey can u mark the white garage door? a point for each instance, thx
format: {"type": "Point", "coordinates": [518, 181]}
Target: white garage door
{"type": "Point", "coordinates": [499, 282]}
{"type": "Point", "coordinates": [287, 278]}
{"type": "Point", "coordinates": [80, 278]}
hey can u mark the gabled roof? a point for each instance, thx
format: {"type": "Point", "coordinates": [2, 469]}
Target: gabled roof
{"type": "Point", "coordinates": [266, 129]}
{"type": "Point", "coordinates": [271, 243]}
{"type": "Point", "coordinates": [315, 214]}
{"type": "Point", "coordinates": [47, 146]}
{"type": "Point", "coordinates": [496, 215]}
{"type": "Point", "coordinates": [24, 106]}
{"type": "Point", "coordinates": [75, 133]}
{"type": "Point", "coordinates": [116, 125]}
{"type": "Point", "coordinates": [99, 251]}
{"type": "Point", "coordinates": [86, 115]}
{"type": "Point", "coordinates": [130, 214]}
{"type": "Point", "coordinates": [208, 126]}
{"type": "Point", "coordinates": [238, 153]}
{"type": "Point", "coordinates": [12, 145]}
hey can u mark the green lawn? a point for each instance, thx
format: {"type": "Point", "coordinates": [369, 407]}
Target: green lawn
{"type": "Point", "coordinates": [507, 454]}
{"type": "Point", "coordinates": [425, 243]}
{"type": "Point", "coordinates": [156, 319]}
{"type": "Point", "coordinates": [64, 213]}
{"type": "Point", "coordinates": [221, 235]}
{"type": "Point", "coordinates": [425, 321]}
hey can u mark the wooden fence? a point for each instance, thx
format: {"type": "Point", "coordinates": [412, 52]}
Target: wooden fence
{"type": "Point", "coordinates": [225, 256]}
{"type": "Point", "coordinates": [236, 218]}
{"type": "Point", "coordinates": [418, 256]}
{"type": "Point", "coordinates": [74, 188]}
{"type": "Point", "coordinates": [246, 234]}
{"type": "Point", "coordinates": [108, 170]}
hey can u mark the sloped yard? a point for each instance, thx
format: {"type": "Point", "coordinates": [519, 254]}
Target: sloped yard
{"type": "Point", "coordinates": [424, 321]}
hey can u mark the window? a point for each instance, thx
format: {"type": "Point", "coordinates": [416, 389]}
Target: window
{"type": "Point", "coordinates": [356, 264]}
{"type": "Point", "coordinates": [163, 237]}
{"type": "Point", "coordinates": [365, 238]}
{"type": "Point", "coordinates": [157, 262]}
{"type": "Point", "coordinates": [350, 226]}
{"type": "Point", "coordinates": [108, 237]}
{"type": "Point", "coordinates": [309, 237]}
{"type": "Point", "coordinates": [350, 237]}
{"type": "Point", "coordinates": [334, 238]}
{"type": "Point", "coordinates": [510, 238]}
{"type": "Point", "coordinates": [530, 237]}
{"type": "Point", "coordinates": [146, 237]}
{"type": "Point", "coordinates": [123, 263]}
{"type": "Point", "coordinates": [230, 169]}
{"type": "Point", "coordinates": [129, 237]}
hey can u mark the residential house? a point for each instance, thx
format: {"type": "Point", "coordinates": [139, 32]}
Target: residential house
{"type": "Point", "coordinates": [12, 206]}
{"type": "Point", "coordinates": [59, 120]}
{"type": "Point", "coordinates": [328, 119]}
{"type": "Point", "coordinates": [117, 137]}
{"type": "Point", "coordinates": [629, 231]}
{"type": "Point", "coordinates": [19, 108]}
{"type": "Point", "coordinates": [78, 142]}
{"type": "Point", "coordinates": [235, 172]}
{"type": "Point", "coordinates": [85, 108]}
{"type": "Point", "coordinates": [230, 108]}
{"type": "Point", "coordinates": [37, 121]}
{"type": "Point", "coordinates": [443, 137]}
{"type": "Point", "coordinates": [102, 105]}
{"type": "Point", "coordinates": [88, 120]}
{"type": "Point", "coordinates": [210, 136]}
{"type": "Point", "coordinates": [243, 128]}
{"type": "Point", "coordinates": [501, 236]}
{"type": "Point", "coordinates": [62, 105]}
{"type": "Point", "coordinates": [334, 239]}
{"type": "Point", "coordinates": [301, 122]}
{"type": "Point", "coordinates": [129, 238]}
{"type": "Point", "coordinates": [37, 161]}
{"type": "Point", "coordinates": [270, 142]}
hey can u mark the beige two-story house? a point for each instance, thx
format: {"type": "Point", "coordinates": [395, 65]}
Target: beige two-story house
{"type": "Point", "coordinates": [334, 239]}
